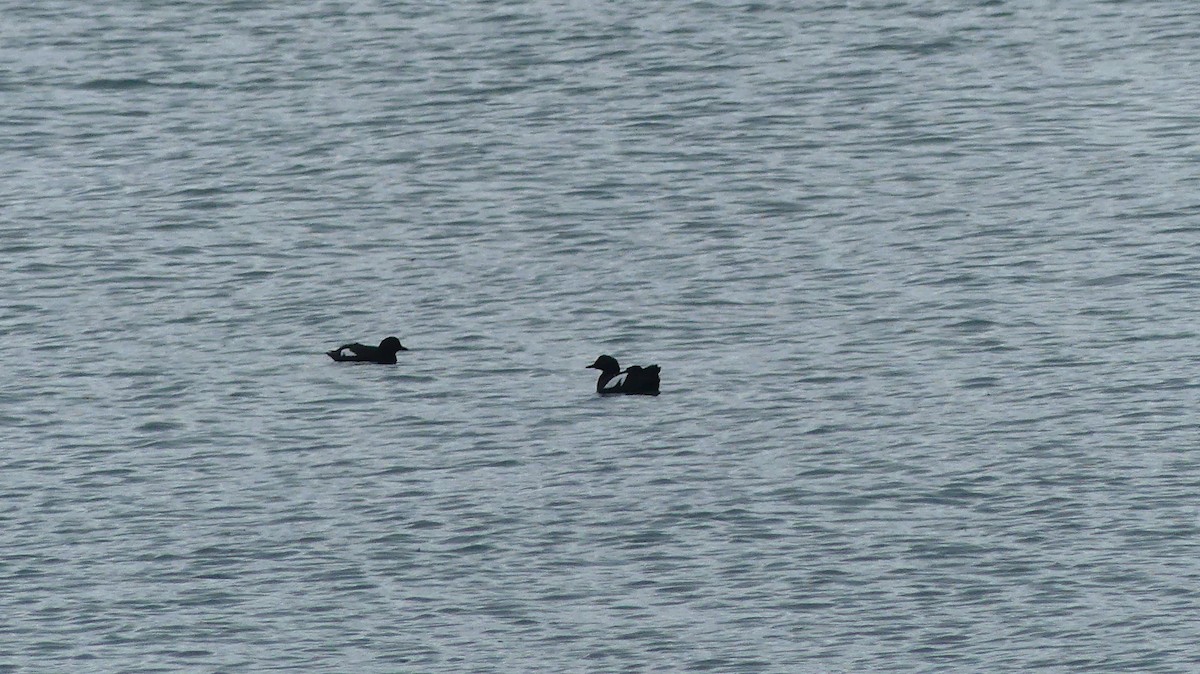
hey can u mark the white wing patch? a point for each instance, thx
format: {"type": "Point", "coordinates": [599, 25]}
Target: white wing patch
{"type": "Point", "coordinates": [615, 383]}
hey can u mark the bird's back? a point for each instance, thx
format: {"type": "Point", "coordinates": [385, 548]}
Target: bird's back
{"type": "Point", "coordinates": [641, 380]}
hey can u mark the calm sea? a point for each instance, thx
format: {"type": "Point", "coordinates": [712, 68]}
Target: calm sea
{"type": "Point", "coordinates": [921, 276]}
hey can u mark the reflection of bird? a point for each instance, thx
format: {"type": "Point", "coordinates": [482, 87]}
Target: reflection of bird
{"type": "Point", "coordinates": [385, 353]}
{"type": "Point", "coordinates": [634, 379]}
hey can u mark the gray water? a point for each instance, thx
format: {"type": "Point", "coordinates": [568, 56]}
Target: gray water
{"type": "Point", "coordinates": [921, 277]}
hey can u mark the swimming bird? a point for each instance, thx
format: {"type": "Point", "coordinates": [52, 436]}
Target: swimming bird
{"type": "Point", "coordinates": [634, 379]}
{"type": "Point", "coordinates": [385, 353]}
